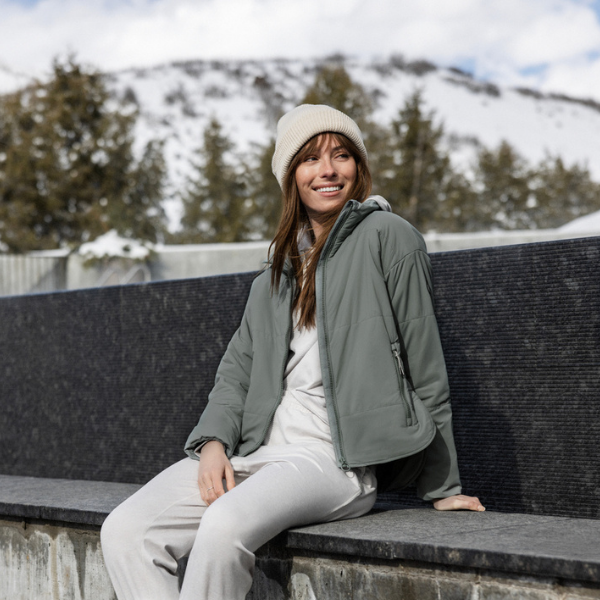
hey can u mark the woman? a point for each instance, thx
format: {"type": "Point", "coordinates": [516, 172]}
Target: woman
{"type": "Point", "coordinates": [334, 378]}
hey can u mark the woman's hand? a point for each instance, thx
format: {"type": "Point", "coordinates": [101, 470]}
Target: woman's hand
{"type": "Point", "coordinates": [458, 502]}
{"type": "Point", "coordinates": [214, 467]}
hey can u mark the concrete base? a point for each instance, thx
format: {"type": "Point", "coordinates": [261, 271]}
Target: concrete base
{"type": "Point", "coordinates": [46, 562]}
{"type": "Point", "coordinates": [320, 578]}
{"type": "Point", "coordinates": [50, 562]}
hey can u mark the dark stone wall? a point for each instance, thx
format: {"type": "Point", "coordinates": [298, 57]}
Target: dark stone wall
{"type": "Point", "coordinates": [105, 384]}
{"type": "Point", "coordinates": [520, 327]}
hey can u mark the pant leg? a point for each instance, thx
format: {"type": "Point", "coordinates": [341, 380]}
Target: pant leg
{"type": "Point", "coordinates": [143, 538]}
{"type": "Point", "coordinates": [282, 494]}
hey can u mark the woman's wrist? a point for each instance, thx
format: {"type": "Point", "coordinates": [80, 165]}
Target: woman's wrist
{"type": "Point", "coordinates": [212, 445]}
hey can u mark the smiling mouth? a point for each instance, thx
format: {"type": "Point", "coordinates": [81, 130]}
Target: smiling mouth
{"type": "Point", "coordinates": [331, 188]}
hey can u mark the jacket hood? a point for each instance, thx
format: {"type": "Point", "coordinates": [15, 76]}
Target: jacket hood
{"type": "Point", "coordinates": [352, 215]}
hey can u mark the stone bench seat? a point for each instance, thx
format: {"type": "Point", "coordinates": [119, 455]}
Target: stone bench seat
{"type": "Point", "coordinates": [517, 544]}
{"type": "Point", "coordinates": [533, 545]}
{"type": "Point", "coordinates": [74, 501]}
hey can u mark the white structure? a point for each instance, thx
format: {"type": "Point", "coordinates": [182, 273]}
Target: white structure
{"type": "Point", "coordinates": [125, 263]}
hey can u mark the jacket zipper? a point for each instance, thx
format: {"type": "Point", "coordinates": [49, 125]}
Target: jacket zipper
{"type": "Point", "coordinates": [404, 389]}
{"type": "Point", "coordinates": [322, 328]}
{"type": "Point", "coordinates": [281, 378]}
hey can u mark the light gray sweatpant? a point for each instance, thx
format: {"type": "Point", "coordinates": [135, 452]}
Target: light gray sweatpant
{"type": "Point", "coordinates": [143, 538]}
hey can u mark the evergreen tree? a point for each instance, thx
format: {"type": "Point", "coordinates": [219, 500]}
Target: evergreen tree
{"type": "Point", "coordinates": [265, 193]}
{"type": "Point", "coordinates": [458, 209]}
{"type": "Point", "coordinates": [67, 172]}
{"type": "Point", "coordinates": [562, 193]}
{"type": "Point", "coordinates": [140, 215]}
{"type": "Point", "coordinates": [215, 205]}
{"type": "Point", "coordinates": [505, 200]}
{"type": "Point", "coordinates": [418, 172]}
{"type": "Point", "coordinates": [381, 160]}
{"type": "Point", "coordinates": [334, 86]}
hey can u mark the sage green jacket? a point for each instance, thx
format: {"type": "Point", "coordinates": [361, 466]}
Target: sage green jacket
{"type": "Point", "coordinates": [384, 374]}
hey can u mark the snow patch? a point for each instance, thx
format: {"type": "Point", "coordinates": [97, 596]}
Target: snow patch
{"type": "Point", "coordinates": [587, 224]}
{"type": "Point", "coordinates": [111, 244]}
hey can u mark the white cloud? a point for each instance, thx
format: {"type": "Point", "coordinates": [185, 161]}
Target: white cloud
{"type": "Point", "coordinates": [563, 34]}
{"type": "Point", "coordinates": [501, 39]}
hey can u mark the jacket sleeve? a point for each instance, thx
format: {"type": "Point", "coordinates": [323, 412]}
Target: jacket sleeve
{"type": "Point", "coordinates": [222, 417]}
{"type": "Point", "coordinates": [410, 288]}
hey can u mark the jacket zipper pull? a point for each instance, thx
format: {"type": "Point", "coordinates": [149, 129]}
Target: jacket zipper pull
{"type": "Point", "coordinates": [400, 365]}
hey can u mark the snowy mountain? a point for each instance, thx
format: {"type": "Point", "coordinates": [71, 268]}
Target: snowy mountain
{"type": "Point", "coordinates": [177, 100]}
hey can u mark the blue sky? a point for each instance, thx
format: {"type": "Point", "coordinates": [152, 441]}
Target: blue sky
{"type": "Point", "coordinates": [551, 45]}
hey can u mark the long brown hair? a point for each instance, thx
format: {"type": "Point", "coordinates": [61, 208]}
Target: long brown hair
{"type": "Point", "coordinates": [294, 219]}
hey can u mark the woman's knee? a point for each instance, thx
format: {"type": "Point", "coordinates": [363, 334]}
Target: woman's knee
{"type": "Point", "coordinates": [122, 528]}
{"type": "Point", "coordinates": [221, 523]}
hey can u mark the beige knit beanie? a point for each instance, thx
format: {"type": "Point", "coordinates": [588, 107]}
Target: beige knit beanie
{"type": "Point", "coordinates": [302, 123]}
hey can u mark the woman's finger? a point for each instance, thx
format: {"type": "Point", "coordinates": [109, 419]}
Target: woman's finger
{"type": "Point", "coordinates": [229, 478]}
{"type": "Point", "coordinates": [459, 502]}
{"type": "Point", "coordinates": [206, 486]}
{"type": "Point", "coordinates": [217, 486]}
{"type": "Point", "coordinates": [207, 492]}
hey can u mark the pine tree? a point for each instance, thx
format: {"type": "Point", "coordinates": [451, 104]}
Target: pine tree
{"type": "Point", "coordinates": [215, 205]}
{"type": "Point", "coordinates": [67, 172]}
{"type": "Point", "coordinates": [505, 200]}
{"type": "Point", "coordinates": [562, 193]}
{"type": "Point", "coordinates": [265, 193]}
{"type": "Point", "coordinates": [334, 86]}
{"type": "Point", "coordinates": [418, 172]}
{"type": "Point", "coordinates": [458, 208]}
{"type": "Point", "coordinates": [381, 160]}
{"type": "Point", "coordinates": [140, 215]}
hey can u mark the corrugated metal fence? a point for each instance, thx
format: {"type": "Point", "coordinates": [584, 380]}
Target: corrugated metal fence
{"type": "Point", "coordinates": [31, 274]}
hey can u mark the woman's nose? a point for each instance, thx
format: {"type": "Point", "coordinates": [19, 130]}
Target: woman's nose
{"type": "Point", "coordinates": [327, 167]}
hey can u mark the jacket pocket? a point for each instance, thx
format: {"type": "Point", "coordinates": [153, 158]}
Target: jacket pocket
{"type": "Point", "coordinates": [404, 387]}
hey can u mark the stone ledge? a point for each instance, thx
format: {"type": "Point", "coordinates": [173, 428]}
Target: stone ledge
{"type": "Point", "coordinates": [63, 500]}
{"type": "Point", "coordinates": [531, 545]}
{"type": "Point", "coordinates": [517, 543]}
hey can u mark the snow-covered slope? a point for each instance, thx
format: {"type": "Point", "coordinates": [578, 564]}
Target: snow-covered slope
{"type": "Point", "coordinates": [177, 100]}
{"type": "Point", "coordinates": [587, 224]}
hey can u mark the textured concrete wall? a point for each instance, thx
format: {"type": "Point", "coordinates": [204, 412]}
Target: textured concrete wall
{"type": "Point", "coordinates": [330, 579]}
{"type": "Point", "coordinates": [43, 562]}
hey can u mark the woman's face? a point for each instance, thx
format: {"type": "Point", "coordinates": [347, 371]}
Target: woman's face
{"type": "Point", "coordinates": [325, 178]}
